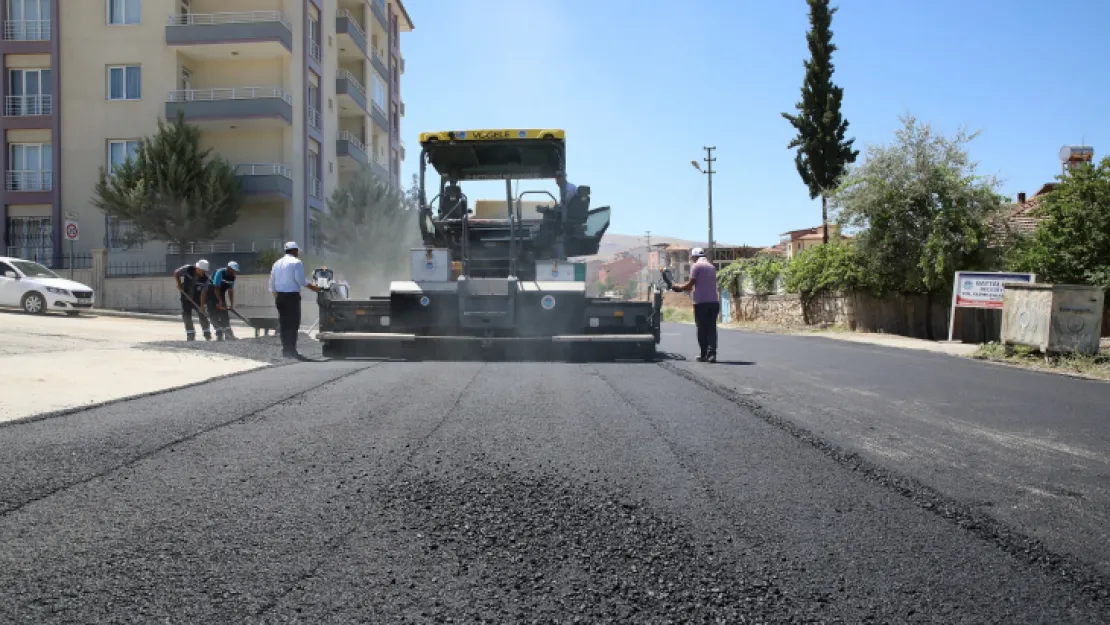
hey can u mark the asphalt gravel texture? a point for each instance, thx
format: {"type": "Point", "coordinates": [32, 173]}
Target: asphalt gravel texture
{"type": "Point", "coordinates": [393, 492]}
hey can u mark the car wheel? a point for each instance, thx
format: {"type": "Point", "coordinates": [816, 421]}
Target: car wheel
{"type": "Point", "coordinates": [34, 303]}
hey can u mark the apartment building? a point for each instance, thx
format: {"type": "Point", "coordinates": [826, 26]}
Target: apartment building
{"type": "Point", "coordinates": [297, 94]}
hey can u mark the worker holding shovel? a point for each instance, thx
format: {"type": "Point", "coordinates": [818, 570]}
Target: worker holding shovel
{"type": "Point", "coordinates": [221, 299]}
{"type": "Point", "coordinates": [192, 283]}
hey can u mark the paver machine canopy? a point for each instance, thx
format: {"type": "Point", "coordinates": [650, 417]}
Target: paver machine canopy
{"type": "Point", "coordinates": [489, 244]}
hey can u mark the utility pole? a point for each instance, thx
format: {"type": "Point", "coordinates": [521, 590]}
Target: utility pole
{"type": "Point", "coordinates": [649, 275]}
{"type": "Point", "coordinates": [708, 171]}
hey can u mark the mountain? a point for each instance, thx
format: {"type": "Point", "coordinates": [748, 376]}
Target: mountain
{"type": "Point", "coordinates": [612, 244]}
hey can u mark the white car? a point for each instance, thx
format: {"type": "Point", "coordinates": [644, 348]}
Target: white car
{"type": "Point", "coordinates": [28, 285]}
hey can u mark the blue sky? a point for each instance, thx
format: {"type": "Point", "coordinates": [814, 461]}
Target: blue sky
{"type": "Point", "coordinates": [641, 85]}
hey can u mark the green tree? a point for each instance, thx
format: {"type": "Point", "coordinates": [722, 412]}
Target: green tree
{"type": "Point", "coordinates": [1071, 244]}
{"type": "Point", "coordinates": [172, 190]}
{"type": "Point", "coordinates": [923, 210]}
{"type": "Point", "coordinates": [823, 151]}
{"type": "Point", "coordinates": [370, 228]}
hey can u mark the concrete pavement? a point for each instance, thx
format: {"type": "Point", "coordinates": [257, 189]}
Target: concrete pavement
{"type": "Point", "coordinates": [54, 362]}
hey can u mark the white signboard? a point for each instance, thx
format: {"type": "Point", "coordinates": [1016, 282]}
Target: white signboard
{"type": "Point", "coordinates": [981, 289]}
{"type": "Point", "coordinates": [984, 290]}
{"type": "Point", "coordinates": [71, 232]}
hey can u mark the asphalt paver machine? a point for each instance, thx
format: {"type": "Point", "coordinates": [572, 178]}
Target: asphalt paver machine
{"type": "Point", "coordinates": [493, 280]}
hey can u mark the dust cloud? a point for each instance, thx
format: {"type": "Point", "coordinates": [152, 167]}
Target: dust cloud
{"type": "Point", "coordinates": [384, 259]}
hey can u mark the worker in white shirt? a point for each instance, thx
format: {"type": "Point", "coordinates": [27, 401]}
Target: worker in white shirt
{"type": "Point", "coordinates": [286, 281]}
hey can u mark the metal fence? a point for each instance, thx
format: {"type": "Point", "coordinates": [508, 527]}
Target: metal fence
{"type": "Point", "coordinates": [137, 269]}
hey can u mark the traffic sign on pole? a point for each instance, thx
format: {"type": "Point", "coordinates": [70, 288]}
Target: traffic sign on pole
{"type": "Point", "coordinates": [72, 232]}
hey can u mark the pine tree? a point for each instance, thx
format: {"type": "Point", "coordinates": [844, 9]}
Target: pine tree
{"type": "Point", "coordinates": [370, 226]}
{"type": "Point", "coordinates": [823, 152]}
{"type": "Point", "coordinates": [171, 190]}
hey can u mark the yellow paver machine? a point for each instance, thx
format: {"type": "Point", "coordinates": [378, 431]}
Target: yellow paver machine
{"type": "Point", "coordinates": [493, 281]}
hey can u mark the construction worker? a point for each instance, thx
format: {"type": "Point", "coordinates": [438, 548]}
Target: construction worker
{"type": "Point", "coordinates": [707, 304]}
{"type": "Point", "coordinates": [286, 281]}
{"type": "Point", "coordinates": [192, 284]}
{"type": "Point", "coordinates": [221, 298]}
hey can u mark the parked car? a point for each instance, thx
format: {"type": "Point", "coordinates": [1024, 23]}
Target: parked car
{"type": "Point", "coordinates": [34, 288]}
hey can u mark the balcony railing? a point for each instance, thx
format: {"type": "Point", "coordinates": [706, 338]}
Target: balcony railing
{"type": "Point", "coordinates": [353, 21]}
{"type": "Point", "coordinates": [238, 17]}
{"type": "Point", "coordinates": [316, 187]}
{"type": "Point", "coordinates": [350, 137]}
{"type": "Point", "coordinates": [352, 80]}
{"type": "Point", "coordinates": [27, 30]}
{"type": "Point", "coordinates": [264, 169]}
{"type": "Point", "coordinates": [28, 105]}
{"type": "Point", "coordinates": [314, 118]}
{"type": "Point", "coordinates": [229, 93]}
{"type": "Point", "coordinates": [314, 50]}
{"type": "Point", "coordinates": [30, 180]}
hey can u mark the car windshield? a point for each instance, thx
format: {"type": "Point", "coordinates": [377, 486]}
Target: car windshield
{"type": "Point", "coordinates": [33, 270]}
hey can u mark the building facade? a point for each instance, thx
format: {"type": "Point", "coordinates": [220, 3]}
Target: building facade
{"type": "Point", "coordinates": [297, 94]}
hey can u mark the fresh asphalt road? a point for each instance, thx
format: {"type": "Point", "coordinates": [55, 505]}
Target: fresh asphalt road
{"type": "Point", "coordinates": [545, 492]}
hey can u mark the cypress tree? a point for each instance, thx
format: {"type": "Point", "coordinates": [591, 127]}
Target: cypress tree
{"type": "Point", "coordinates": [823, 152]}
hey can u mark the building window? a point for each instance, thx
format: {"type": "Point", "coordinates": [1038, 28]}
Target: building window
{"type": "Point", "coordinates": [30, 167]}
{"type": "Point", "coordinates": [121, 235]}
{"type": "Point", "coordinates": [29, 92]}
{"type": "Point", "coordinates": [378, 92]}
{"type": "Point", "coordinates": [123, 11]}
{"type": "Point", "coordinates": [28, 20]}
{"type": "Point", "coordinates": [125, 82]}
{"type": "Point", "coordinates": [395, 119]}
{"type": "Point", "coordinates": [120, 151]}
{"type": "Point", "coordinates": [31, 238]}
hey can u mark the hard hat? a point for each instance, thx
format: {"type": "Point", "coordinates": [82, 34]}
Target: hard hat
{"type": "Point", "coordinates": [697, 252]}
{"type": "Point", "coordinates": [290, 245]}
{"type": "Point", "coordinates": [202, 265]}
{"type": "Point", "coordinates": [232, 265]}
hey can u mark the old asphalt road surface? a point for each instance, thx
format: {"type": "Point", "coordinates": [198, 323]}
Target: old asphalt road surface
{"type": "Point", "coordinates": [345, 492]}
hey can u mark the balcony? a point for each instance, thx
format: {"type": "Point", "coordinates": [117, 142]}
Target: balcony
{"type": "Point", "coordinates": [265, 180]}
{"type": "Point", "coordinates": [378, 61]}
{"type": "Point", "coordinates": [377, 7]}
{"type": "Point", "coordinates": [316, 188]}
{"type": "Point", "coordinates": [351, 95]}
{"type": "Point", "coordinates": [314, 51]}
{"type": "Point", "coordinates": [379, 116]}
{"type": "Point", "coordinates": [381, 171]}
{"type": "Point", "coordinates": [352, 38]}
{"type": "Point", "coordinates": [314, 118]}
{"type": "Point", "coordinates": [246, 35]}
{"type": "Point", "coordinates": [30, 180]}
{"type": "Point", "coordinates": [350, 151]}
{"type": "Point", "coordinates": [28, 105]}
{"type": "Point", "coordinates": [232, 107]}
{"type": "Point", "coordinates": [27, 30]}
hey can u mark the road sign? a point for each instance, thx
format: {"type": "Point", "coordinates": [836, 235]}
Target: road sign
{"type": "Point", "coordinates": [72, 232]}
{"type": "Point", "coordinates": [981, 289]}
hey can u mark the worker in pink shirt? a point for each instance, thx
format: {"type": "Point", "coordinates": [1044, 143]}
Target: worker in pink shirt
{"type": "Point", "coordinates": [707, 303]}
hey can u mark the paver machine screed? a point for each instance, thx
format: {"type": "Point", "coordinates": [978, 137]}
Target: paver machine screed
{"type": "Point", "coordinates": [495, 282]}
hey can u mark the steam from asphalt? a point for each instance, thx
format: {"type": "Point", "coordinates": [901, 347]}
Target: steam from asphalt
{"type": "Point", "coordinates": [386, 257]}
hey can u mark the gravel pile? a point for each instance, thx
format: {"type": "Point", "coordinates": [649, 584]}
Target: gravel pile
{"type": "Point", "coordinates": [263, 348]}
{"type": "Point", "coordinates": [511, 548]}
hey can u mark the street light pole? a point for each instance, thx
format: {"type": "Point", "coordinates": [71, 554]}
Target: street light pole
{"type": "Point", "coordinates": [708, 171]}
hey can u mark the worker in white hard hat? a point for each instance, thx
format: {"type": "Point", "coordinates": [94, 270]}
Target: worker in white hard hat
{"type": "Point", "coordinates": [286, 281]}
{"type": "Point", "coordinates": [221, 298]}
{"type": "Point", "coordinates": [192, 284]}
{"type": "Point", "coordinates": [707, 303]}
